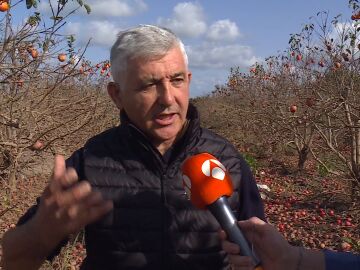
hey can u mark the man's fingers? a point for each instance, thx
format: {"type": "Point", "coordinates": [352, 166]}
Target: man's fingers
{"type": "Point", "coordinates": [96, 212]}
{"type": "Point", "coordinates": [73, 195]}
{"type": "Point", "coordinates": [90, 208]}
{"type": "Point", "coordinates": [252, 227]}
{"type": "Point", "coordinates": [59, 166]}
{"type": "Point", "coordinates": [241, 262]}
{"type": "Point", "coordinates": [250, 223]}
{"type": "Point", "coordinates": [222, 235]}
{"type": "Point", "coordinates": [94, 198]}
{"type": "Point", "coordinates": [230, 248]}
{"type": "Point", "coordinates": [69, 178]}
{"type": "Point", "coordinates": [58, 172]}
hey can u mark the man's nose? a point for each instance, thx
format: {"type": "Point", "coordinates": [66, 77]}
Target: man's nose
{"type": "Point", "coordinates": [165, 94]}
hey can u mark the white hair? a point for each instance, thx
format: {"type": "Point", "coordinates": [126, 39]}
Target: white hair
{"type": "Point", "coordinates": [143, 41]}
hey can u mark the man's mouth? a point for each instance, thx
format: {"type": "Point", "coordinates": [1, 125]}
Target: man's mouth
{"type": "Point", "coordinates": [165, 119]}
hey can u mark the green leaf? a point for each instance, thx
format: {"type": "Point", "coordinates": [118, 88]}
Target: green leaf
{"type": "Point", "coordinates": [34, 20]}
{"type": "Point", "coordinates": [45, 46]}
{"type": "Point", "coordinates": [56, 18]}
{"type": "Point", "coordinates": [29, 3]}
{"type": "Point", "coordinates": [81, 3]}
{"type": "Point", "coordinates": [88, 9]}
{"type": "Point", "coordinates": [71, 38]}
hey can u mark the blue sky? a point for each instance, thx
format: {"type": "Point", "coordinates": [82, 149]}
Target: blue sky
{"type": "Point", "coordinates": [217, 34]}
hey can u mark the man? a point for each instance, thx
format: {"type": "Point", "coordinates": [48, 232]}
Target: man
{"type": "Point", "coordinates": [142, 219]}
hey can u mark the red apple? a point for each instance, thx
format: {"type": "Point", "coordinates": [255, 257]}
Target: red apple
{"type": "Point", "coordinates": [356, 16]}
{"type": "Point", "coordinates": [62, 57]}
{"type": "Point", "coordinates": [337, 65]}
{"type": "Point", "coordinates": [345, 246]}
{"type": "Point", "coordinates": [281, 227]}
{"type": "Point", "coordinates": [293, 108]}
{"type": "Point", "coordinates": [38, 145]}
{"type": "Point", "coordinates": [310, 102]}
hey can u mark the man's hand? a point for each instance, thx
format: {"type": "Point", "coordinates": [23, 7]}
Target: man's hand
{"type": "Point", "coordinates": [67, 205]}
{"type": "Point", "coordinates": [274, 251]}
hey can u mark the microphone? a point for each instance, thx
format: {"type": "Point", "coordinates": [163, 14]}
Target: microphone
{"type": "Point", "coordinates": [207, 184]}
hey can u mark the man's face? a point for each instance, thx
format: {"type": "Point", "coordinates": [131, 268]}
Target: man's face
{"type": "Point", "coordinates": [155, 95]}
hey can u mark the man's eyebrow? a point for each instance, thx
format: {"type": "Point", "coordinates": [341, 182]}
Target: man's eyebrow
{"type": "Point", "coordinates": [177, 74]}
{"type": "Point", "coordinates": [149, 79]}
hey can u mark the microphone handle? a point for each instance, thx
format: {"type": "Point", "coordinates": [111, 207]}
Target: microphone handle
{"type": "Point", "coordinates": [223, 214]}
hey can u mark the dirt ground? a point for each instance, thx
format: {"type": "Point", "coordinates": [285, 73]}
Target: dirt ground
{"type": "Point", "coordinates": [309, 210]}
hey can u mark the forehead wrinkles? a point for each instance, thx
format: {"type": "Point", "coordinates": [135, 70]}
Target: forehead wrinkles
{"type": "Point", "coordinates": [159, 70]}
{"type": "Point", "coordinates": [156, 67]}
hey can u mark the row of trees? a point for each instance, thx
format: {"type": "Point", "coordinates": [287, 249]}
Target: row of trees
{"type": "Point", "coordinates": [308, 97]}
{"type": "Point", "coordinates": [51, 97]}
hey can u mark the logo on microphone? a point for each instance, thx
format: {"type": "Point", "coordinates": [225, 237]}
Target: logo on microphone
{"type": "Point", "coordinates": [210, 167]}
{"type": "Point", "coordinates": [213, 168]}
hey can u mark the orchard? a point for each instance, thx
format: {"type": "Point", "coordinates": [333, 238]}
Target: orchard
{"type": "Point", "coordinates": [306, 98]}
{"type": "Point", "coordinates": [295, 118]}
{"type": "Point", "coordinates": [51, 100]}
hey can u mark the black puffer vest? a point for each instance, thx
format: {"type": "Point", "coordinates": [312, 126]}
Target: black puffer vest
{"type": "Point", "coordinates": [153, 225]}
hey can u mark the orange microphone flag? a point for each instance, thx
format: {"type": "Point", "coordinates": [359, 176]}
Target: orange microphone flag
{"type": "Point", "coordinates": [205, 179]}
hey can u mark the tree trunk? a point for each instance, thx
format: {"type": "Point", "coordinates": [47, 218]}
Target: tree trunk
{"type": "Point", "coordinates": [303, 155]}
{"type": "Point", "coordinates": [12, 179]}
{"type": "Point", "coordinates": [357, 157]}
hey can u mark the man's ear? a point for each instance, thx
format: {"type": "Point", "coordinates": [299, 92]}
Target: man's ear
{"type": "Point", "coordinates": [189, 76]}
{"type": "Point", "coordinates": [113, 90]}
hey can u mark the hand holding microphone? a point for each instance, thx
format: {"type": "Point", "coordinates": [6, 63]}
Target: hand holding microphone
{"type": "Point", "coordinates": [207, 184]}
{"type": "Point", "coordinates": [273, 249]}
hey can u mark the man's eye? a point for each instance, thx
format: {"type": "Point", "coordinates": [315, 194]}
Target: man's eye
{"type": "Point", "coordinates": [147, 86]}
{"type": "Point", "coordinates": [177, 81]}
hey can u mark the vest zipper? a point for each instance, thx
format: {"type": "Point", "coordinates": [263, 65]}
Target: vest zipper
{"type": "Point", "coordinates": [162, 170]}
{"type": "Point", "coordinates": [163, 233]}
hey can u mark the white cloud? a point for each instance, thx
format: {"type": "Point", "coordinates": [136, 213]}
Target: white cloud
{"type": "Point", "coordinates": [116, 8]}
{"type": "Point", "coordinates": [211, 56]}
{"type": "Point", "coordinates": [187, 20]}
{"type": "Point", "coordinates": [204, 80]}
{"type": "Point", "coordinates": [103, 33]}
{"type": "Point", "coordinates": [99, 9]}
{"type": "Point", "coordinates": [44, 7]}
{"type": "Point", "coordinates": [223, 30]}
